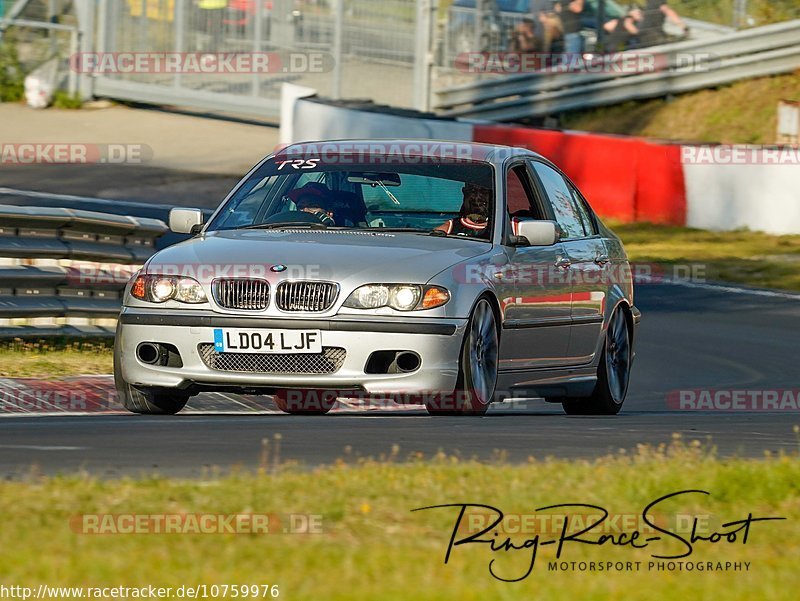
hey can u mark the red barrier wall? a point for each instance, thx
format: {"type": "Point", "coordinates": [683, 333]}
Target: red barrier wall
{"type": "Point", "coordinates": [624, 178]}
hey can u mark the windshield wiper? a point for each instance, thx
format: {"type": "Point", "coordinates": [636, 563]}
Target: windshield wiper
{"type": "Point", "coordinates": [285, 225]}
{"type": "Point", "coordinates": [388, 192]}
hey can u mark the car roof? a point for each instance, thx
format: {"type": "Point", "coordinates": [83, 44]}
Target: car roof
{"type": "Point", "coordinates": [446, 149]}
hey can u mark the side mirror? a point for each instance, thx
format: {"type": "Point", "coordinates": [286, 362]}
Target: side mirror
{"type": "Point", "coordinates": [185, 221]}
{"type": "Point", "coordinates": [532, 232]}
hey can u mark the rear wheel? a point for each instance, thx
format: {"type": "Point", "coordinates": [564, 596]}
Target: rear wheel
{"type": "Point", "coordinates": [477, 374]}
{"type": "Point", "coordinates": [305, 402]}
{"type": "Point", "coordinates": [613, 373]}
{"type": "Point", "coordinates": [147, 400]}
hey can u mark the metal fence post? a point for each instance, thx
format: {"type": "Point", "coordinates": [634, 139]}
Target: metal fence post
{"type": "Point", "coordinates": [85, 11]}
{"type": "Point", "coordinates": [480, 12]}
{"type": "Point", "coordinates": [73, 76]}
{"type": "Point", "coordinates": [739, 13]}
{"type": "Point", "coordinates": [180, 42]}
{"type": "Point", "coordinates": [102, 26]}
{"type": "Point", "coordinates": [338, 49]}
{"type": "Point", "coordinates": [423, 53]}
{"type": "Point", "coordinates": [258, 34]}
{"type": "Point", "coordinates": [281, 23]}
{"type": "Point", "coordinates": [52, 17]}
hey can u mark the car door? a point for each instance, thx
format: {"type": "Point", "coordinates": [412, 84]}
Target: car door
{"type": "Point", "coordinates": [587, 257]}
{"type": "Point", "coordinates": [534, 291]}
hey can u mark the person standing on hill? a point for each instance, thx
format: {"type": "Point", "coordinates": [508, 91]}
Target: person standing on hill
{"type": "Point", "coordinates": [571, 14]}
{"type": "Point", "coordinates": [651, 27]}
{"type": "Point", "coordinates": [212, 15]}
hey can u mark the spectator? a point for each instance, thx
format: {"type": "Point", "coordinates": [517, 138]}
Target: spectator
{"type": "Point", "coordinates": [651, 24]}
{"type": "Point", "coordinates": [212, 15]}
{"type": "Point", "coordinates": [549, 29]}
{"type": "Point", "coordinates": [570, 14]}
{"type": "Point", "coordinates": [621, 32]}
{"type": "Point", "coordinates": [523, 37]}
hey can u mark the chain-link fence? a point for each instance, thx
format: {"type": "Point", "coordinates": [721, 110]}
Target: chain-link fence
{"type": "Point", "coordinates": [493, 25]}
{"type": "Point", "coordinates": [471, 27]}
{"type": "Point", "coordinates": [352, 48]}
{"type": "Point", "coordinates": [39, 39]}
{"type": "Point", "coordinates": [371, 49]}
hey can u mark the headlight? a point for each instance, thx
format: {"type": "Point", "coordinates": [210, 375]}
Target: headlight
{"type": "Point", "coordinates": [401, 297]}
{"type": "Point", "coordinates": [190, 291]}
{"type": "Point", "coordinates": [371, 296]}
{"type": "Point", "coordinates": [160, 289]}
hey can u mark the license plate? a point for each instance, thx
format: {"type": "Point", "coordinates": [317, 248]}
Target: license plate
{"type": "Point", "coordinates": [267, 341]}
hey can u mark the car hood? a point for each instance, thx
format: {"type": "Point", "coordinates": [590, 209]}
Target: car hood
{"type": "Point", "coordinates": [350, 256]}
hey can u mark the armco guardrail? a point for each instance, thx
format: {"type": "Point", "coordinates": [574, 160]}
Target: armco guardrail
{"type": "Point", "coordinates": [750, 53]}
{"type": "Point", "coordinates": [58, 262]}
{"type": "Point", "coordinates": [54, 233]}
{"type": "Point", "coordinates": [30, 198]}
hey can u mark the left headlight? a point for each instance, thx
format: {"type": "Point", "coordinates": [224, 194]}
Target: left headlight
{"type": "Point", "coordinates": [401, 297]}
{"type": "Point", "coordinates": [160, 289]}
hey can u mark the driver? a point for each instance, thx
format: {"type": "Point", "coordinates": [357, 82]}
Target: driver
{"type": "Point", "coordinates": [314, 198]}
{"type": "Point", "coordinates": [473, 220]}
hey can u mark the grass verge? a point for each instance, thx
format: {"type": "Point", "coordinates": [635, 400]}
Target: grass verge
{"type": "Point", "coordinates": [745, 112]}
{"type": "Point", "coordinates": [742, 257]}
{"type": "Point", "coordinates": [54, 358]}
{"type": "Point", "coordinates": [371, 545]}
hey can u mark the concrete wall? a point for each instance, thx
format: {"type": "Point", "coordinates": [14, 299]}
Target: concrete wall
{"type": "Point", "coordinates": [757, 197]}
{"type": "Point", "coordinates": [624, 178]}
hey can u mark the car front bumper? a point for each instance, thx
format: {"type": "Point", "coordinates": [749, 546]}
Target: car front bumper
{"type": "Point", "coordinates": [436, 341]}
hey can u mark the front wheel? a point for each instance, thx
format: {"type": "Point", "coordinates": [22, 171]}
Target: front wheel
{"type": "Point", "coordinates": [477, 374]}
{"type": "Point", "coordinates": [147, 400]}
{"type": "Point", "coordinates": [613, 373]}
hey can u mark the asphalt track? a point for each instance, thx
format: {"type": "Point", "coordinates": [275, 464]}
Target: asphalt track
{"type": "Point", "coordinates": [691, 337]}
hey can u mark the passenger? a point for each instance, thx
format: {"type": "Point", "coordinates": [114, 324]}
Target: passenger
{"type": "Point", "coordinates": [348, 209]}
{"type": "Point", "coordinates": [473, 220]}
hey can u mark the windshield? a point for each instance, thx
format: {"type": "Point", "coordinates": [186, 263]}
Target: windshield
{"type": "Point", "coordinates": [437, 198]}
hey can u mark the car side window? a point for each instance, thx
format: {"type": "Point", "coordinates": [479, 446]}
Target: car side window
{"type": "Point", "coordinates": [562, 201]}
{"type": "Point", "coordinates": [584, 212]}
{"type": "Point", "coordinates": [520, 201]}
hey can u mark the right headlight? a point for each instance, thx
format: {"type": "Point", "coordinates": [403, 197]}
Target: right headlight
{"type": "Point", "coordinates": [160, 289]}
{"type": "Point", "coordinates": [401, 297]}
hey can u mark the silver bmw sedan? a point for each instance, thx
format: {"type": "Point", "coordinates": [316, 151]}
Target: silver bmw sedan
{"type": "Point", "coordinates": [446, 274]}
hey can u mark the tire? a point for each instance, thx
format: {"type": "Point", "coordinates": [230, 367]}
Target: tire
{"type": "Point", "coordinates": [147, 400]}
{"type": "Point", "coordinates": [477, 373]}
{"type": "Point", "coordinates": [304, 402]}
{"type": "Point", "coordinates": [613, 373]}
